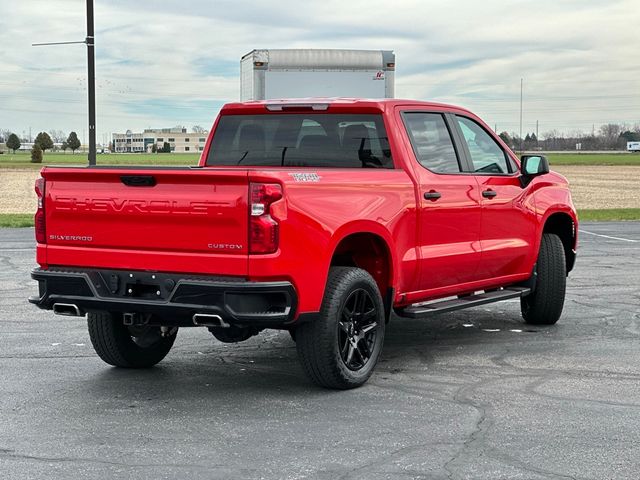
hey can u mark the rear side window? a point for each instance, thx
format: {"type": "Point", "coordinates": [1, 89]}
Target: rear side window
{"type": "Point", "coordinates": [431, 141]}
{"type": "Point", "coordinates": [301, 140]}
{"type": "Point", "coordinates": [486, 155]}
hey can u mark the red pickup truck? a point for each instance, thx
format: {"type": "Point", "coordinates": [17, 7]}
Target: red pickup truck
{"type": "Point", "coordinates": [321, 217]}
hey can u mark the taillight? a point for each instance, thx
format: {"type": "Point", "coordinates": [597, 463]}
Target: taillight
{"type": "Point", "coordinates": [263, 228]}
{"type": "Point", "coordinates": [39, 219]}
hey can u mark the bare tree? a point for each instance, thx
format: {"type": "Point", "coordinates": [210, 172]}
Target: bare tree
{"type": "Point", "coordinates": [610, 130]}
{"type": "Point", "coordinates": [4, 135]}
{"type": "Point", "coordinates": [198, 129]}
{"type": "Point", "coordinates": [58, 136]}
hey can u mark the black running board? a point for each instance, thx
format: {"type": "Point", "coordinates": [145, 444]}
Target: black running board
{"type": "Point", "coordinates": [421, 311]}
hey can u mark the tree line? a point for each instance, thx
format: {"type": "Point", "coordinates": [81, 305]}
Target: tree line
{"type": "Point", "coordinates": [42, 143]}
{"type": "Point", "coordinates": [611, 136]}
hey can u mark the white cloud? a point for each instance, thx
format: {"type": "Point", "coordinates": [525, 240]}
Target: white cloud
{"type": "Point", "coordinates": [164, 63]}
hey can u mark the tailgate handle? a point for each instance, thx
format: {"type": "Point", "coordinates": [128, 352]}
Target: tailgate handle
{"type": "Point", "coordinates": [138, 180]}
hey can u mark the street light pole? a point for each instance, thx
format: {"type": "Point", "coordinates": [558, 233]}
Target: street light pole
{"type": "Point", "coordinates": [91, 80]}
{"type": "Point", "coordinates": [521, 141]}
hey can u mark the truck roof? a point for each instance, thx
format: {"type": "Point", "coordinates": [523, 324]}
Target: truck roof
{"type": "Point", "coordinates": [340, 103]}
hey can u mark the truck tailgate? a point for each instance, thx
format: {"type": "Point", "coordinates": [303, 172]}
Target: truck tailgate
{"type": "Point", "coordinates": [172, 219]}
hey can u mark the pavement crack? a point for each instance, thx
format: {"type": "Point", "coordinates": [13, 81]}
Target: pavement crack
{"type": "Point", "coordinates": [480, 426]}
{"type": "Point", "coordinates": [8, 453]}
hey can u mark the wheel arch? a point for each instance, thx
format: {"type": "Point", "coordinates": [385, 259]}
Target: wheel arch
{"type": "Point", "coordinates": [565, 225]}
{"type": "Point", "coordinates": [370, 247]}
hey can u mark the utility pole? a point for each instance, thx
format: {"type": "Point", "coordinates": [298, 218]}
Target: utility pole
{"type": "Point", "coordinates": [91, 78]}
{"type": "Point", "coordinates": [521, 141]}
{"type": "Point", "coordinates": [536, 129]}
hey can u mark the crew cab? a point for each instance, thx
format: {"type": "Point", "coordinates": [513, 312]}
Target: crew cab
{"type": "Point", "coordinates": [322, 217]}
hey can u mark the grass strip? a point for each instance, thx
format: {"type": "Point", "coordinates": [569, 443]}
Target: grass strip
{"type": "Point", "coordinates": [601, 159]}
{"type": "Point", "coordinates": [16, 220]}
{"type": "Point", "coordinates": [22, 160]}
{"type": "Point", "coordinates": [608, 214]}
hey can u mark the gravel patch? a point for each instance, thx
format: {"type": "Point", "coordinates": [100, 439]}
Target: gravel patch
{"type": "Point", "coordinates": [598, 186]}
{"type": "Point", "coordinates": [592, 186]}
{"type": "Point", "coordinates": [16, 190]}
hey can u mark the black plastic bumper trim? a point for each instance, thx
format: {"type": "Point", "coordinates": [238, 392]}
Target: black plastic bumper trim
{"type": "Point", "coordinates": [171, 299]}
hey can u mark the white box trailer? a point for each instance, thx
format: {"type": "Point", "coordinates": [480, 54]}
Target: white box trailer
{"type": "Point", "coordinates": [301, 73]}
{"type": "Point", "coordinates": [633, 146]}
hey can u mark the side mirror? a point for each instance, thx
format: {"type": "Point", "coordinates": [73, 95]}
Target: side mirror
{"type": "Point", "coordinates": [532, 166]}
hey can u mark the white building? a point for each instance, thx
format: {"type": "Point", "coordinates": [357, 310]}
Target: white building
{"type": "Point", "coordinates": [130, 142]}
{"type": "Point", "coordinates": [179, 140]}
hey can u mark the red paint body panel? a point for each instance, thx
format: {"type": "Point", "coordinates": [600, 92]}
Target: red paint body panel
{"type": "Point", "coordinates": [191, 221]}
{"type": "Point", "coordinates": [196, 220]}
{"type": "Point", "coordinates": [319, 215]}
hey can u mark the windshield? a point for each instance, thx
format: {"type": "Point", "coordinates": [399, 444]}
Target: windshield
{"type": "Point", "coordinates": [301, 140]}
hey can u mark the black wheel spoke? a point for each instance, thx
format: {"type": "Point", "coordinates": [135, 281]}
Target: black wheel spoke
{"type": "Point", "coordinates": [344, 326]}
{"type": "Point", "coordinates": [369, 314]}
{"type": "Point", "coordinates": [350, 353]}
{"type": "Point", "coordinates": [367, 328]}
{"type": "Point", "coordinates": [363, 360]}
{"type": "Point", "coordinates": [343, 348]}
{"type": "Point", "coordinates": [361, 299]}
{"type": "Point", "coordinates": [364, 355]}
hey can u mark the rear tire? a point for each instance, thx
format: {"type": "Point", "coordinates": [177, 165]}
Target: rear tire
{"type": "Point", "coordinates": [129, 347]}
{"type": "Point", "coordinates": [341, 348]}
{"type": "Point", "coordinates": [544, 305]}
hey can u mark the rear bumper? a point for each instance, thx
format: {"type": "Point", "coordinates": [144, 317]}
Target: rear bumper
{"type": "Point", "coordinates": [167, 299]}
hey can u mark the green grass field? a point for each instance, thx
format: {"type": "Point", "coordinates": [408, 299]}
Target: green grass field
{"type": "Point", "coordinates": [22, 160]}
{"type": "Point", "coordinates": [16, 220]}
{"type": "Point", "coordinates": [609, 214]}
{"type": "Point", "coordinates": [593, 159]}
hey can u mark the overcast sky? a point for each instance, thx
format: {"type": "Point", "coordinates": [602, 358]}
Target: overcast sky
{"type": "Point", "coordinates": [167, 62]}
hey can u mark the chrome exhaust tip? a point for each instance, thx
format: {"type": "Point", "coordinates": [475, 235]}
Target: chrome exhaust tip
{"type": "Point", "coordinates": [209, 320]}
{"type": "Point", "coordinates": [67, 309]}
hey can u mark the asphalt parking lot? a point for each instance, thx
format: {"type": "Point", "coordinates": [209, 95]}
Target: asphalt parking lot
{"type": "Point", "coordinates": [473, 394]}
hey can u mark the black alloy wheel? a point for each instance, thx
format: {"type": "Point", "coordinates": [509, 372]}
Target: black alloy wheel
{"type": "Point", "coordinates": [341, 347]}
{"type": "Point", "coordinates": [357, 324]}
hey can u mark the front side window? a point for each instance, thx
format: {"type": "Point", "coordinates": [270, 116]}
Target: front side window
{"type": "Point", "coordinates": [431, 141]}
{"type": "Point", "coordinates": [301, 140]}
{"type": "Point", "coordinates": [486, 155]}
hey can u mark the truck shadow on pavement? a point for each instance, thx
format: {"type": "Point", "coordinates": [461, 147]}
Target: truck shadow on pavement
{"type": "Point", "coordinates": [202, 369]}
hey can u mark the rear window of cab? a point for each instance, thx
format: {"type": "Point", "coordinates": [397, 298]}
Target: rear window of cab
{"type": "Point", "coordinates": [301, 140]}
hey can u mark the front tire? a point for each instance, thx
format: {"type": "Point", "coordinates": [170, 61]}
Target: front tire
{"type": "Point", "coordinates": [129, 347]}
{"type": "Point", "coordinates": [341, 348]}
{"type": "Point", "coordinates": [544, 305]}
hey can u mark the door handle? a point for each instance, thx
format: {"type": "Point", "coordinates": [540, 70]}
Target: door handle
{"type": "Point", "coordinates": [489, 193]}
{"type": "Point", "coordinates": [432, 195]}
